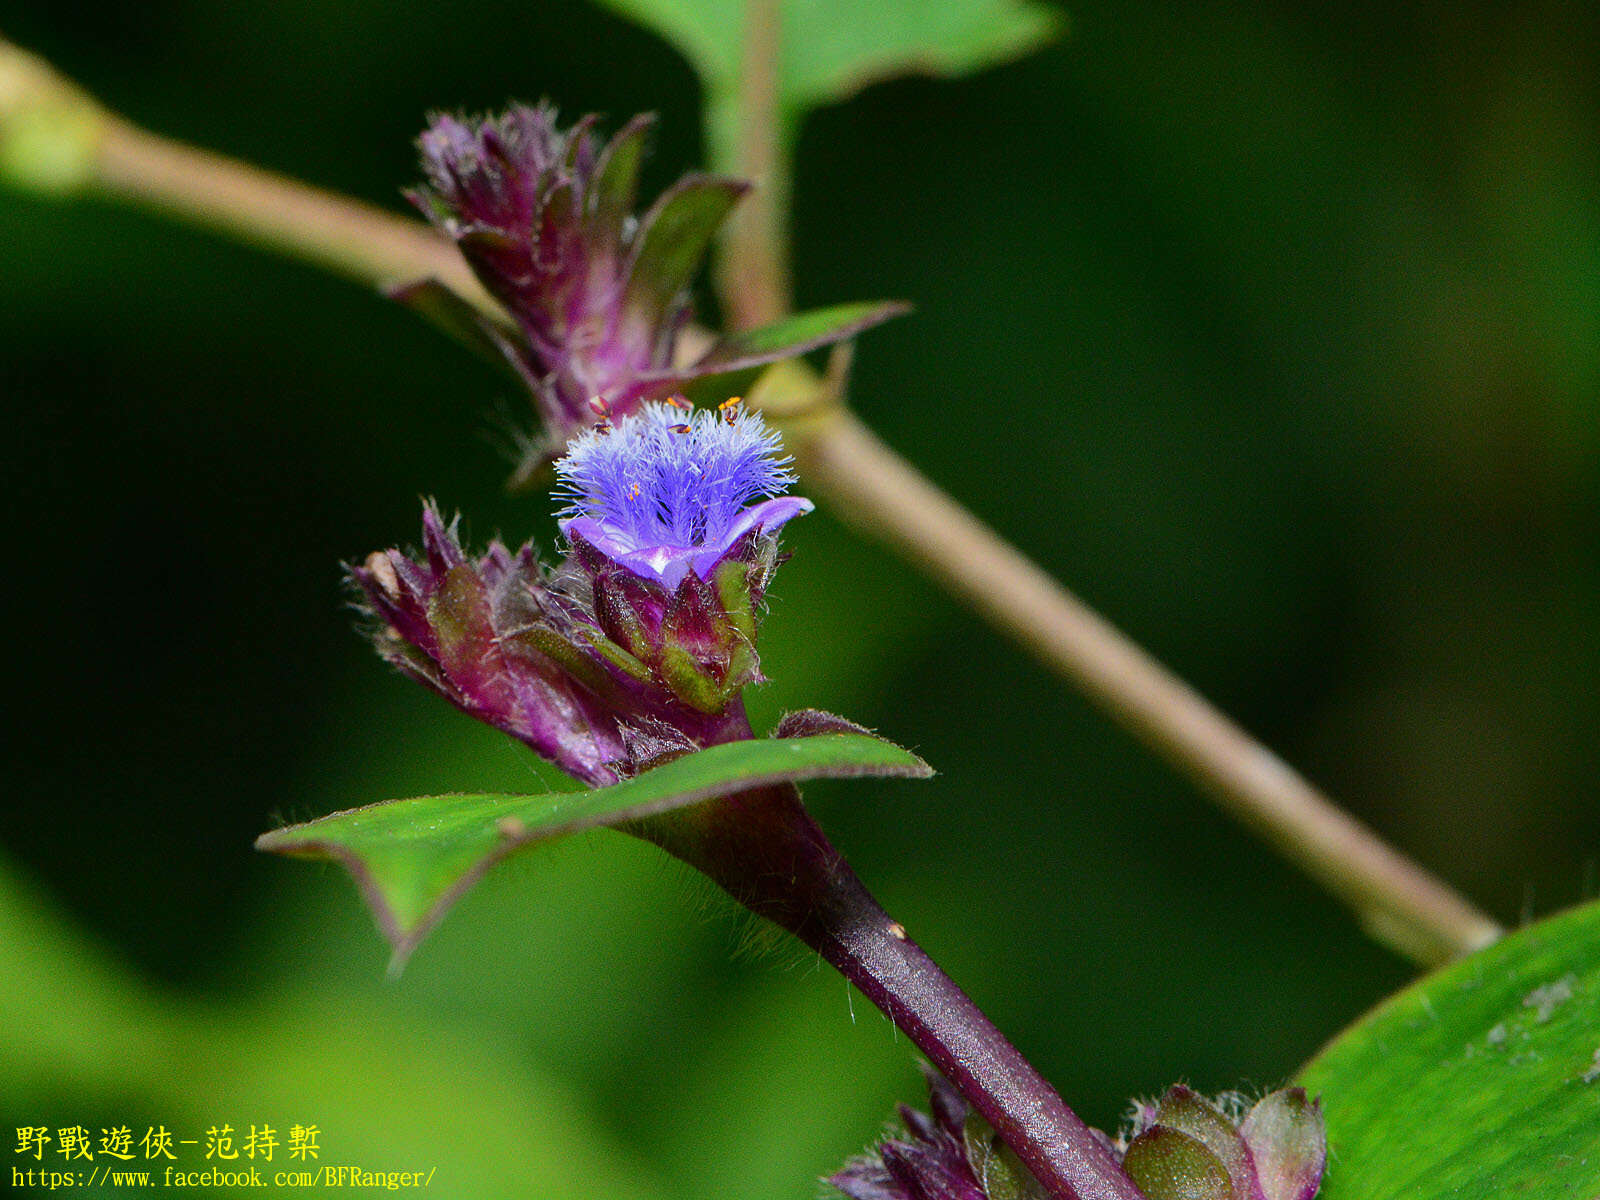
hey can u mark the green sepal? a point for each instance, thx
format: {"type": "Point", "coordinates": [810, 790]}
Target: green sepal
{"type": "Point", "coordinates": [619, 658]}
{"type": "Point", "coordinates": [743, 668]}
{"type": "Point", "coordinates": [621, 623]}
{"type": "Point", "coordinates": [1188, 1112]}
{"type": "Point", "coordinates": [547, 642]}
{"type": "Point", "coordinates": [996, 1165]}
{"type": "Point", "coordinates": [1168, 1165]}
{"type": "Point", "coordinates": [690, 682]}
{"type": "Point", "coordinates": [731, 582]}
{"type": "Point", "coordinates": [459, 615]}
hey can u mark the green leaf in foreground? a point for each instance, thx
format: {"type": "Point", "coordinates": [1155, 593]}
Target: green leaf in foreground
{"type": "Point", "coordinates": [413, 858]}
{"type": "Point", "coordinates": [1482, 1081]}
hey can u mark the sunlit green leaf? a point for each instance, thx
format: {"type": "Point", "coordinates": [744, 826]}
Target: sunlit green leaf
{"type": "Point", "coordinates": [1482, 1081]}
{"type": "Point", "coordinates": [413, 858]}
{"type": "Point", "coordinates": [831, 49]}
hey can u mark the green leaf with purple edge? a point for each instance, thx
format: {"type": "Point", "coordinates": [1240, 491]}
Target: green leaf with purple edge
{"type": "Point", "coordinates": [1480, 1082]}
{"type": "Point", "coordinates": [616, 177]}
{"type": "Point", "coordinates": [796, 334]}
{"type": "Point", "coordinates": [413, 858]}
{"type": "Point", "coordinates": [735, 361]}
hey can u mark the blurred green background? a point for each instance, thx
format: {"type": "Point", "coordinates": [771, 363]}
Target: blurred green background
{"type": "Point", "coordinates": [1274, 329]}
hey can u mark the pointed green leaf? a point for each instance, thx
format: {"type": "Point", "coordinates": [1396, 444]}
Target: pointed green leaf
{"type": "Point", "coordinates": [616, 177]}
{"type": "Point", "coordinates": [796, 335]}
{"type": "Point", "coordinates": [1478, 1083]}
{"type": "Point", "coordinates": [413, 858]}
{"type": "Point", "coordinates": [736, 361]}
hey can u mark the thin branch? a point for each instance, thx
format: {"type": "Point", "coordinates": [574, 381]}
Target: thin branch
{"type": "Point", "coordinates": [58, 139]}
{"type": "Point", "coordinates": [873, 488]}
{"type": "Point", "coordinates": [1400, 903]}
{"type": "Point", "coordinates": [347, 237]}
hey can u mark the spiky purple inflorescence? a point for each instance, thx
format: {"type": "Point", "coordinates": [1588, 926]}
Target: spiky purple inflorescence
{"type": "Point", "coordinates": [666, 492]}
{"type": "Point", "coordinates": [930, 1162]}
{"type": "Point", "coordinates": [545, 218]}
{"type": "Point", "coordinates": [598, 295]}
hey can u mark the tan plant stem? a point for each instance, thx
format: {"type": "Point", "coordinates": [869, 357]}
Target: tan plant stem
{"type": "Point", "coordinates": [753, 268]}
{"type": "Point", "coordinates": [870, 485]}
{"type": "Point", "coordinates": [345, 236]}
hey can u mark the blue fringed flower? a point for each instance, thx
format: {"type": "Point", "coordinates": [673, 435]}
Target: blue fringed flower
{"type": "Point", "coordinates": [665, 492]}
{"type": "Point", "coordinates": [641, 643]}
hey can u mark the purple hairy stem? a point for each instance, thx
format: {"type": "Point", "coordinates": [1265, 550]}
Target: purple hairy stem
{"type": "Point", "coordinates": [765, 850]}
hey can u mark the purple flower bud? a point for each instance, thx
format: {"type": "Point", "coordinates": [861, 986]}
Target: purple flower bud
{"type": "Point", "coordinates": [928, 1162]}
{"type": "Point", "coordinates": [492, 637]}
{"type": "Point", "coordinates": [545, 218]}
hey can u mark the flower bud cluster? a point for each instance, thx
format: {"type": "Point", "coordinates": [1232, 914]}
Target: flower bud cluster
{"type": "Point", "coordinates": [1181, 1147]}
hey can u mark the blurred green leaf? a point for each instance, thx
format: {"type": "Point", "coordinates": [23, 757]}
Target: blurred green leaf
{"type": "Point", "coordinates": [389, 1089]}
{"type": "Point", "coordinates": [828, 50]}
{"type": "Point", "coordinates": [831, 49]}
{"type": "Point", "coordinates": [413, 858]}
{"type": "Point", "coordinates": [1481, 1081]}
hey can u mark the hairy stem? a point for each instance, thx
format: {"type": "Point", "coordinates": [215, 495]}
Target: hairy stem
{"type": "Point", "coordinates": [764, 849]}
{"type": "Point", "coordinates": [1402, 904]}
